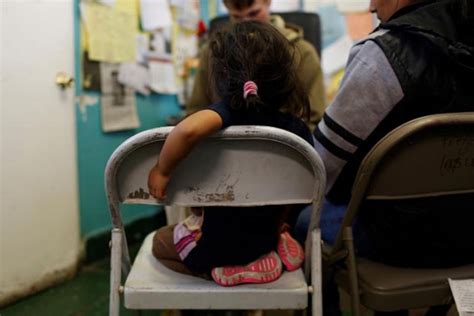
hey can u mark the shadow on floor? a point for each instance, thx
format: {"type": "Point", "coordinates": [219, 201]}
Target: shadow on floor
{"type": "Point", "coordinates": [88, 295]}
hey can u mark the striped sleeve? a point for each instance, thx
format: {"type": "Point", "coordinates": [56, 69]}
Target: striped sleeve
{"type": "Point", "coordinates": [368, 92]}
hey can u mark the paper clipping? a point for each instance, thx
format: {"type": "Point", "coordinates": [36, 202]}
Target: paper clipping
{"type": "Point", "coordinates": [463, 293]}
{"type": "Point", "coordinates": [118, 106]}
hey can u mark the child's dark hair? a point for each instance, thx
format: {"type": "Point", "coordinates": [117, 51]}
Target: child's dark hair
{"type": "Point", "coordinates": [258, 52]}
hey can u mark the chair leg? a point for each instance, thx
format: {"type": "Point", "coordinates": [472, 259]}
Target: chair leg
{"type": "Point", "coordinates": [316, 274]}
{"type": "Point", "coordinates": [351, 265]}
{"type": "Point", "coordinates": [115, 272]}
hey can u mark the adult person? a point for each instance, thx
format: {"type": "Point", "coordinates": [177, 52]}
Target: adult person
{"type": "Point", "coordinates": [418, 61]}
{"type": "Point", "coordinates": [307, 60]}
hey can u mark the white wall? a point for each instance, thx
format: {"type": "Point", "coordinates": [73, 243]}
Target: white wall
{"type": "Point", "coordinates": [39, 225]}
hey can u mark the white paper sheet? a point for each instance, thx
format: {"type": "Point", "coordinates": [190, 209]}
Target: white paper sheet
{"type": "Point", "coordinates": [160, 45]}
{"type": "Point", "coordinates": [335, 56]}
{"type": "Point", "coordinates": [162, 77]}
{"type": "Point", "coordinates": [187, 13]}
{"type": "Point", "coordinates": [155, 14]}
{"type": "Point", "coordinates": [285, 5]}
{"type": "Point", "coordinates": [118, 108]}
{"type": "Point", "coordinates": [119, 114]}
{"type": "Point", "coordinates": [186, 46]}
{"type": "Point", "coordinates": [143, 43]}
{"type": "Point", "coordinates": [463, 293]}
{"type": "Point", "coordinates": [135, 76]}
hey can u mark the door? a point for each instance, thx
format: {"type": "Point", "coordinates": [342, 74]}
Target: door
{"type": "Point", "coordinates": [39, 226]}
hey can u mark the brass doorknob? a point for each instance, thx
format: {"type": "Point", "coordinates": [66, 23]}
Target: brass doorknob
{"type": "Point", "coordinates": [64, 80]}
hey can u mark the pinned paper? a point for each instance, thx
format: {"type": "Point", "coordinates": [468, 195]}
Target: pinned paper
{"type": "Point", "coordinates": [143, 43]}
{"type": "Point", "coordinates": [185, 48]}
{"type": "Point", "coordinates": [155, 14]}
{"type": "Point", "coordinates": [160, 45]}
{"type": "Point", "coordinates": [285, 5]}
{"type": "Point", "coordinates": [110, 3]}
{"type": "Point", "coordinates": [463, 293]}
{"type": "Point", "coordinates": [118, 108]}
{"type": "Point", "coordinates": [335, 56]}
{"type": "Point", "coordinates": [162, 77]}
{"type": "Point", "coordinates": [135, 76]}
{"type": "Point", "coordinates": [187, 13]}
{"type": "Point", "coordinates": [111, 32]}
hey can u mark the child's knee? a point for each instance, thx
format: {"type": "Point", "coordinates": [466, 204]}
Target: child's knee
{"type": "Point", "coordinates": [163, 244]}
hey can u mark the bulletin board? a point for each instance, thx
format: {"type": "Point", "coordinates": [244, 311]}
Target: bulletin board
{"type": "Point", "coordinates": [113, 105]}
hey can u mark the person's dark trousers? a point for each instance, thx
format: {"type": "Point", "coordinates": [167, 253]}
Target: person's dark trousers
{"type": "Point", "coordinates": [331, 303]}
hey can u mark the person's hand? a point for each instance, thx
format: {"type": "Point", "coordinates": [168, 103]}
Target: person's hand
{"type": "Point", "coordinates": [157, 183]}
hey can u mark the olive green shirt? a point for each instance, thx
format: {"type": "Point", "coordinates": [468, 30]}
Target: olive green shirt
{"type": "Point", "coordinates": [308, 69]}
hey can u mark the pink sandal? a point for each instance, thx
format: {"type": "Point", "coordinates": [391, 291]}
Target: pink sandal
{"type": "Point", "coordinates": [290, 251]}
{"type": "Point", "coordinates": [265, 269]}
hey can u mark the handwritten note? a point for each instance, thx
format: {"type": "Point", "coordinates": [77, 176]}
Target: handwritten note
{"type": "Point", "coordinates": [463, 293]}
{"type": "Point", "coordinates": [111, 32]}
{"type": "Point", "coordinates": [458, 155]}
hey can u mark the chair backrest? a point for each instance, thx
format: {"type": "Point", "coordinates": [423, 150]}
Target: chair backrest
{"type": "Point", "coordinates": [309, 22]}
{"type": "Point", "coordinates": [430, 156]}
{"type": "Point", "coordinates": [239, 166]}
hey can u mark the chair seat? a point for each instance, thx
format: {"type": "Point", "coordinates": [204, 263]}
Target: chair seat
{"type": "Point", "coordinates": [150, 285]}
{"type": "Point", "coordinates": [415, 287]}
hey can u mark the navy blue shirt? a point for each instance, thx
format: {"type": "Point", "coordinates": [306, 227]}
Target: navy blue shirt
{"type": "Point", "coordinates": [232, 237]}
{"type": "Point", "coordinates": [265, 117]}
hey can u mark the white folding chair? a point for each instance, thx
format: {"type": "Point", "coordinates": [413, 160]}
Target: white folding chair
{"type": "Point", "coordinates": [239, 166]}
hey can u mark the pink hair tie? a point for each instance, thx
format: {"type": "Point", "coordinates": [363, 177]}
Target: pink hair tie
{"type": "Point", "coordinates": [250, 87]}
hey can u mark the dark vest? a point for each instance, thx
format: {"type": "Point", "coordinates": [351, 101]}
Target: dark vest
{"type": "Point", "coordinates": [430, 49]}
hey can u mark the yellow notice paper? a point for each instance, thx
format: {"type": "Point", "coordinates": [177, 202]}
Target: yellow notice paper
{"type": "Point", "coordinates": [111, 32]}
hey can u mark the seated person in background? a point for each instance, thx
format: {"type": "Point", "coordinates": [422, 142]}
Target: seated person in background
{"type": "Point", "coordinates": [419, 61]}
{"type": "Point", "coordinates": [253, 75]}
{"type": "Point", "coordinates": [306, 59]}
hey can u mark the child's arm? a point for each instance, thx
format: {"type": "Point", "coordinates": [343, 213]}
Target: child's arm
{"type": "Point", "coordinates": [177, 146]}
